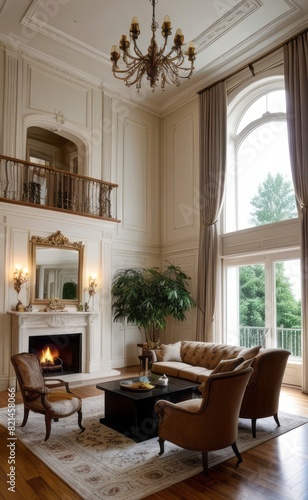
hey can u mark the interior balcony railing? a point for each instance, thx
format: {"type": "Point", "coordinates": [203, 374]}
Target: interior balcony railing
{"type": "Point", "coordinates": [28, 183]}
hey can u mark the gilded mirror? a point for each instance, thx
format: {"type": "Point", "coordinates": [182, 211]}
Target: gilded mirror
{"type": "Point", "coordinates": [56, 269]}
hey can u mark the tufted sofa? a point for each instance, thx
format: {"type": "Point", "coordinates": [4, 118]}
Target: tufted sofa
{"type": "Point", "coordinates": [196, 361]}
{"type": "Point", "coordinates": [192, 360]}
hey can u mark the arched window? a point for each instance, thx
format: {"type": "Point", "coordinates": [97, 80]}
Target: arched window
{"type": "Point", "coordinates": [259, 182]}
{"type": "Point", "coordinates": [261, 299]}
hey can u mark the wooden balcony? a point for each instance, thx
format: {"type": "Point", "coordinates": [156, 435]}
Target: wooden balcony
{"type": "Point", "coordinates": [26, 183]}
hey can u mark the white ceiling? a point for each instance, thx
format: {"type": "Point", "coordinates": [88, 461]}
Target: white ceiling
{"type": "Point", "coordinates": [79, 34]}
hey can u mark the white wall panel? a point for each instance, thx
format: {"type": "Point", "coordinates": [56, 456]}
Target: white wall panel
{"type": "Point", "coordinates": [135, 156]}
{"type": "Point", "coordinates": [49, 93]}
{"type": "Point", "coordinates": [181, 175]}
{"type": "Point", "coordinates": [2, 73]}
{"type": "Point", "coordinates": [183, 172]}
{"type": "Point", "coordinates": [135, 175]}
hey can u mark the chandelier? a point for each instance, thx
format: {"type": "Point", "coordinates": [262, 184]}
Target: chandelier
{"type": "Point", "coordinates": [155, 64]}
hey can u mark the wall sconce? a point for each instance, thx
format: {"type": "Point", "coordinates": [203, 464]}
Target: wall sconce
{"type": "Point", "coordinates": [20, 277]}
{"type": "Point", "coordinates": [92, 285]}
{"type": "Point", "coordinates": [92, 290]}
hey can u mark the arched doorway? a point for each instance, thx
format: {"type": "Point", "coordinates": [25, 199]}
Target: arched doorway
{"type": "Point", "coordinates": [60, 151]}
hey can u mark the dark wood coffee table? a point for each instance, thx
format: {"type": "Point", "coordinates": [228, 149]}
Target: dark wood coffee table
{"type": "Point", "coordinates": [132, 413]}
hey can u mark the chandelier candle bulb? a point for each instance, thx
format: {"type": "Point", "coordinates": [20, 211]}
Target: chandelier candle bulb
{"type": "Point", "coordinates": [166, 26]}
{"type": "Point", "coordinates": [178, 37]}
{"type": "Point", "coordinates": [134, 28]}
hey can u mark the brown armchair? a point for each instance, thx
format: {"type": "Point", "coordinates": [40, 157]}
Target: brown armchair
{"type": "Point", "coordinates": [38, 395]}
{"type": "Point", "coordinates": [261, 398]}
{"type": "Point", "coordinates": [208, 423]}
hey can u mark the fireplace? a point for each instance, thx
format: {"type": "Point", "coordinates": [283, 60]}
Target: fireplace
{"type": "Point", "coordinates": [59, 354]}
{"type": "Point", "coordinates": [86, 357]}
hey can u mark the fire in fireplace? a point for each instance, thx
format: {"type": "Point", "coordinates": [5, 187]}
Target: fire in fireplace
{"type": "Point", "coordinates": [50, 361]}
{"type": "Point", "coordinates": [58, 353]}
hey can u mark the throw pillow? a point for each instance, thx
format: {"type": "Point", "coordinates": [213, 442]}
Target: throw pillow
{"type": "Point", "coordinates": [249, 352]}
{"type": "Point", "coordinates": [227, 365]}
{"type": "Point", "coordinates": [202, 386]}
{"type": "Point", "coordinates": [171, 352]}
{"type": "Point", "coordinates": [246, 364]}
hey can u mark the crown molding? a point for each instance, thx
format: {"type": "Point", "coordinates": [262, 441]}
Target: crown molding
{"type": "Point", "coordinates": [30, 21]}
{"type": "Point", "coordinates": [48, 62]}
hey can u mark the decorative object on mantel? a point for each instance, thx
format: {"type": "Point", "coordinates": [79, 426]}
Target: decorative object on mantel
{"type": "Point", "coordinates": [20, 307]}
{"type": "Point", "coordinates": [146, 297]}
{"type": "Point", "coordinates": [54, 305]}
{"type": "Point", "coordinates": [155, 64]}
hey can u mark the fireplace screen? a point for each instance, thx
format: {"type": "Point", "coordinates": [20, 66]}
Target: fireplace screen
{"type": "Point", "coordinates": [58, 353]}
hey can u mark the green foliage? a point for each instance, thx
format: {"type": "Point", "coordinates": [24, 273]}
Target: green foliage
{"type": "Point", "coordinates": [274, 202]}
{"type": "Point", "coordinates": [146, 297]}
{"type": "Point", "coordinates": [252, 298]}
{"type": "Point", "coordinates": [252, 295]}
{"type": "Point", "coordinates": [288, 308]}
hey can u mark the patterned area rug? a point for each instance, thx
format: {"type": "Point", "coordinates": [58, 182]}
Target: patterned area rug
{"type": "Point", "coordinates": [103, 464]}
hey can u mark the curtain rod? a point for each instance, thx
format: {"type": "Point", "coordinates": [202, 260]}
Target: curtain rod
{"type": "Point", "coordinates": [250, 65]}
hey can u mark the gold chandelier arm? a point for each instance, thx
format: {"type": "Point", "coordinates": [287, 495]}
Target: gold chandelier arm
{"type": "Point", "coordinates": [137, 50]}
{"type": "Point", "coordinates": [129, 74]}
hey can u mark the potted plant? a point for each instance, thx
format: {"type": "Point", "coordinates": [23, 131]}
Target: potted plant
{"type": "Point", "coordinates": [146, 297]}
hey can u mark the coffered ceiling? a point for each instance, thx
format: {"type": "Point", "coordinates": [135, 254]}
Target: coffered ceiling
{"type": "Point", "coordinates": [77, 35]}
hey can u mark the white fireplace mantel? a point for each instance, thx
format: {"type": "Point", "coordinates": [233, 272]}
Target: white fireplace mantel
{"type": "Point", "coordinates": [26, 324]}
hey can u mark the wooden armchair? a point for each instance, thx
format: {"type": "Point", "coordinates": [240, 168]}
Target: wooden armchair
{"type": "Point", "coordinates": [261, 398]}
{"type": "Point", "coordinates": [38, 395]}
{"type": "Point", "coordinates": [208, 423]}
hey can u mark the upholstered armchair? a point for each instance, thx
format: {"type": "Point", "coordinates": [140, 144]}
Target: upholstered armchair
{"type": "Point", "coordinates": [208, 423]}
{"type": "Point", "coordinates": [261, 398]}
{"type": "Point", "coordinates": [39, 396]}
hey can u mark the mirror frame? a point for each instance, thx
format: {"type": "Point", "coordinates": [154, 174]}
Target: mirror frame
{"type": "Point", "coordinates": [56, 240]}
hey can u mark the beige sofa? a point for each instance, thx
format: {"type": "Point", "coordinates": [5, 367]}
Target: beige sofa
{"type": "Point", "coordinates": [192, 360]}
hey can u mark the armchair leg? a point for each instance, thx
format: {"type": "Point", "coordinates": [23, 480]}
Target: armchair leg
{"type": "Point", "coordinates": [80, 420]}
{"type": "Point", "coordinates": [26, 414]}
{"type": "Point", "coordinates": [237, 453]}
{"type": "Point", "coordinates": [205, 463]}
{"type": "Point", "coordinates": [254, 427]}
{"type": "Point", "coordinates": [48, 426]}
{"type": "Point", "coordinates": [161, 445]}
{"type": "Point", "coordinates": [276, 419]}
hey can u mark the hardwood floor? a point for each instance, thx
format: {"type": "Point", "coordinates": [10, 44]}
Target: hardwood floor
{"type": "Point", "coordinates": [277, 469]}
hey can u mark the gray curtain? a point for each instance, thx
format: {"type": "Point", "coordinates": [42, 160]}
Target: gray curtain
{"type": "Point", "coordinates": [213, 145]}
{"type": "Point", "coordinates": [296, 81]}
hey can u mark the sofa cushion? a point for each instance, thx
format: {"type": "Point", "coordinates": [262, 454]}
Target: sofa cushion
{"type": "Point", "coordinates": [206, 354]}
{"type": "Point", "coordinates": [194, 373]}
{"type": "Point", "coordinates": [227, 365]}
{"type": "Point", "coordinates": [169, 368]}
{"type": "Point", "coordinates": [249, 352]}
{"type": "Point", "coordinates": [171, 352]}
